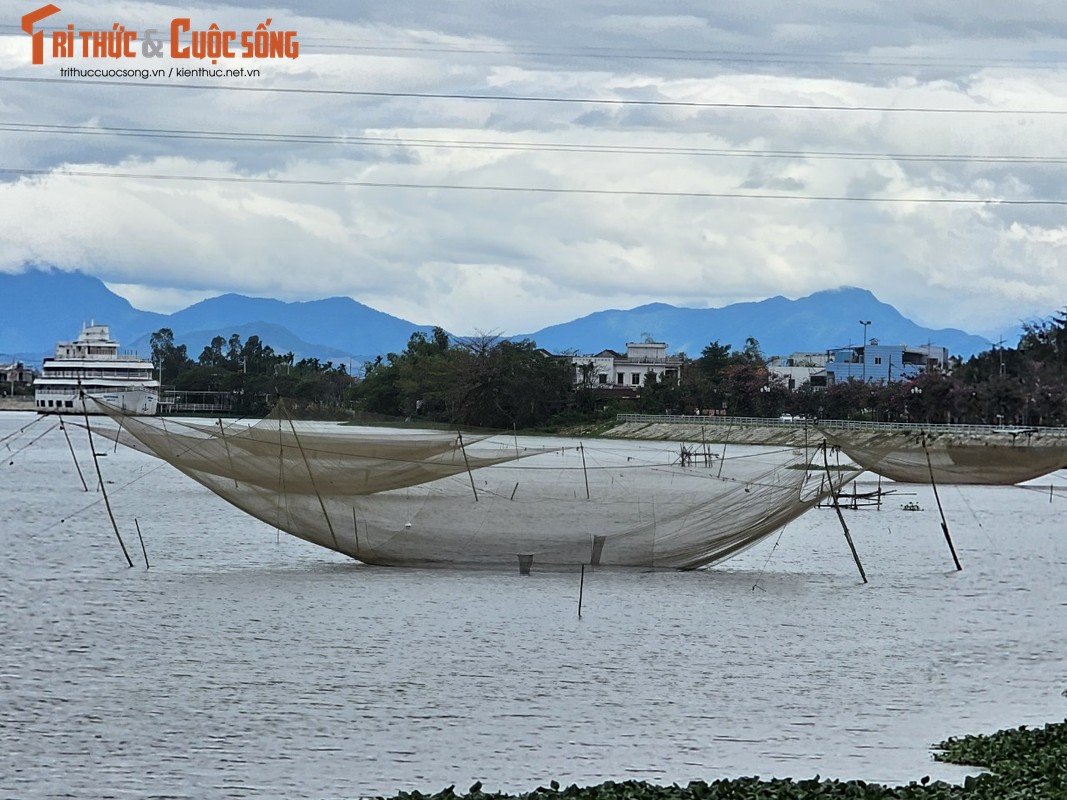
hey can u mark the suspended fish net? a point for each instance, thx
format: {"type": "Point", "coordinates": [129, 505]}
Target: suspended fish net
{"type": "Point", "coordinates": [912, 456]}
{"type": "Point", "coordinates": [425, 498]}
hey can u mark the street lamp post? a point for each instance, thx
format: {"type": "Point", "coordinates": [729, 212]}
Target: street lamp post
{"type": "Point", "coordinates": [865, 323]}
{"type": "Point", "coordinates": [917, 393]}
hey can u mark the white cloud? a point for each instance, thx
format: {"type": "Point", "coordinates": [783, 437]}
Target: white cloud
{"type": "Point", "coordinates": [161, 300]}
{"type": "Point", "coordinates": [517, 261]}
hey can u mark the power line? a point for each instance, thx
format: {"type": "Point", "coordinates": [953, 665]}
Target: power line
{"type": "Point", "coordinates": [602, 101]}
{"type": "Point", "coordinates": [486, 144]}
{"type": "Point", "coordinates": [312, 44]}
{"type": "Point", "coordinates": [526, 189]}
{"type": "Point", "coordinates": [685, 55]}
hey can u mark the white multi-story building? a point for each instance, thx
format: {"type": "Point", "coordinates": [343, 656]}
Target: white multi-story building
{"type": "Point", "coordinates": [799, 369]}
{"type": "Point", "coordinates": [609, 369]}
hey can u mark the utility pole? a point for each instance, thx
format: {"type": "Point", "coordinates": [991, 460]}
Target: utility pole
{"type": "Point", "coordinates": [865, 323]}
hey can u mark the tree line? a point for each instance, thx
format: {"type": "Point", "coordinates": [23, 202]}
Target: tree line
{"type": "Point", "coordinates": [492, 382]}
{"type": "Point", "coordinates": [250, 373]}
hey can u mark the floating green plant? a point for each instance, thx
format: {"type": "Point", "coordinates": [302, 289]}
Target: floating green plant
{"type": "Point", "coordinates": [1023, 764]}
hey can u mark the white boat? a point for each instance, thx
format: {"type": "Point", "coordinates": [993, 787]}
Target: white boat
{"type": "Point", "coordinates": [92, 365]}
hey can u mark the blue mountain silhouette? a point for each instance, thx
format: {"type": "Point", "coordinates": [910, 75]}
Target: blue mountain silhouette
{"type": "Point", "coordinates": [41, 307]}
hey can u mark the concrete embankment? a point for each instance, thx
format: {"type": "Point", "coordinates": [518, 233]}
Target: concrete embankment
{"type": "Point", "coordinates": [752, 432]}
{"type": "Point", "coordinates": [718, 433]}
{"type": "Point", "coordinates": [17, 404]}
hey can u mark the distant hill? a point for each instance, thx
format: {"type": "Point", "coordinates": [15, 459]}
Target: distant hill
{"type": "Point", "coordinates": [281, 340]}
{"type": "Point", "coordinates": [348, 327]}
{"type": "Point", "coordinates": [41, 307]}
{"type": "Point", "coordinates": [814, 323]}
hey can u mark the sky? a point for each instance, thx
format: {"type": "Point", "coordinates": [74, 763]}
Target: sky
{"type": "Point", "coordinates": [502, 166]}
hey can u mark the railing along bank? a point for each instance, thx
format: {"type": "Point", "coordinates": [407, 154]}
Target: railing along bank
{"type": "Point", "coordinates": [775, 422]}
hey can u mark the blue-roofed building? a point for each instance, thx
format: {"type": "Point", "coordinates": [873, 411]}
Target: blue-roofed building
{"type": "Point", "coordinates": [883, 363]}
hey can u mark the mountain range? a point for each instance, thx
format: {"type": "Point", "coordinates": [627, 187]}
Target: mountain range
{"type": "Point", "coordinates": [41, 307]}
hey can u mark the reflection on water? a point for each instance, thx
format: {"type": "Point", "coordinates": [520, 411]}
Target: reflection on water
{"type": "Point", "coordinates": [244, 662]}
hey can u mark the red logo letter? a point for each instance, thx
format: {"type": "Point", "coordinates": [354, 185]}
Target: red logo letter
{"type": "Point", "coordinates": [38, 38]}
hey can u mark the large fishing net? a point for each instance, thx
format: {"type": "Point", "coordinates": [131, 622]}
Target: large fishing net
{"type": "Point", "coordinates": [427, 498]}
{"type": "Point", "coordinates": [915, 456]}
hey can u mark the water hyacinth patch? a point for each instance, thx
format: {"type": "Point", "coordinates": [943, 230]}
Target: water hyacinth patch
{"type": "Point", "coordinates": [1024, 764]}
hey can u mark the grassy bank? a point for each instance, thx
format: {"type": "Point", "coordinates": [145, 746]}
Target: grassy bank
{"type": "Point", "coordinates": [1021, 764]}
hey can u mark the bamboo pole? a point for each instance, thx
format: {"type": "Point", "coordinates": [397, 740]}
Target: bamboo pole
{"type": "Point", "coordinates": [466, 463]}
{"type": "Point", "coordinates": [283, 501]}
{"type": "Point", "coordinates": [311, 475]}
{"type": "Point", "coordinates": [115, 449]}
{"type": "Point", "coordinates": [355, 531]}
{"type": "Point", "coordinates": [581, 589]}
{"type": "Point", "coordinates": [138, 526]}
{"type": "Point", "coordinates": [840, 516]}
{"type": "Point", "coordinates": [229, 458]}
{"type": "Point", "coordinates": [77, 466]}
{"type": "Point", "coordinates": [722, 458]}
{"type": "Point", "coordinates": [940, 510]}
{"type": "Point", "coordinates": [100, 477]}
{"type": "Point", "coordinates": [23, 428]}
{"type": "Point", "coordinates": [585, 472]}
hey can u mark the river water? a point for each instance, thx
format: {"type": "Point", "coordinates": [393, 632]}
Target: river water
{"type": "Point", "coordinates": [247, 664]}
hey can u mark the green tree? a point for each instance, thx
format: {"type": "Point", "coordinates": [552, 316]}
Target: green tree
{"type": "Point", "coordinates": [170, 358]}
{"type": "Point", "coordinates": [660, 395]}
{"type": "Point", "coordinates": [512, 384]}
{"type": "Point", "coordinates": [713, 360]}
{"type": "Point", "coordinates": [211, 355]}
{"type": "Point", "coordinates": [750, 354]}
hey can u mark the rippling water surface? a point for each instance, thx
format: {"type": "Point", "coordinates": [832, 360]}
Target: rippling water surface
{"type": "Point", "coordinates": [244, 663]}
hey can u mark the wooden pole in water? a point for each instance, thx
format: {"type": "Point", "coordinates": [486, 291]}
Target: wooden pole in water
{"type": "Point", "coordinates": [467, 465]}
{"type": "Point", "coordinates": [23, 428]}
{"type": "Point", "coordinates": [229, 458]}
{"type": "Point", "coordinates": [581, 447]}
{"type": "Point", "coordinates": [100, 477]}
{"type": "Point", "coordinates": [138, 525]}
{"type": "Point", "coordinates": [281, 486]}
{"type": "Point", "coordinates": [722, 458]}
{"type": "Point", "coordinates": [311, 475]}
{"type": "Point", "coordinates": [840, 516]}
{"type": "Point", "coordinates": [941, 511]}
{"type": "Point", "coordinates": [581, 588]}
{"type": "Point", "coordinates": [77, 466]}
{"type": "Point", "coordinates": [355, 532]}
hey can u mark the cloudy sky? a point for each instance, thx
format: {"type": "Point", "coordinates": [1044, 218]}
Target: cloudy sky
{"type": "Point", "coordinates": [496, 166]}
